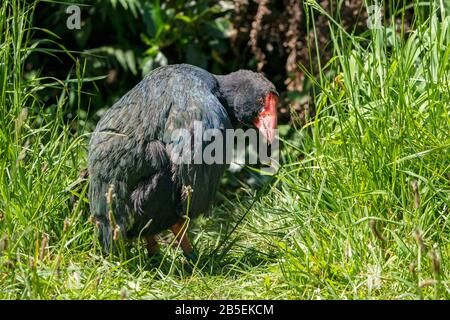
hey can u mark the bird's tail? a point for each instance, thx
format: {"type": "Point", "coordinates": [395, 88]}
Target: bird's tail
{"type": "Point", "coordinates": [105, 235]}
{"type": "Point", "coordinates": [109, 213]}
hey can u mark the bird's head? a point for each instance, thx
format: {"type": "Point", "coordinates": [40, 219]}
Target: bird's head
{"type": "Point", "coordinates": [252, 100]}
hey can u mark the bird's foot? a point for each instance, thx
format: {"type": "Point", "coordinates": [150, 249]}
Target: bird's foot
{"type": "Point", "coordinates": [156, 257]}
{"type": "Point", "coordinates": [191, 257]}
{"type": "Point", "coordinates": [193, 263]}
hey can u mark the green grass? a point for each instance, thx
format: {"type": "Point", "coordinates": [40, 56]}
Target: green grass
{"type": "Point", "coordinates": [358, 210]}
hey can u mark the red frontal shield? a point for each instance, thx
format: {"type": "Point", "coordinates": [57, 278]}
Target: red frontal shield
{"type": "Point", "coordinates": [266, 121]}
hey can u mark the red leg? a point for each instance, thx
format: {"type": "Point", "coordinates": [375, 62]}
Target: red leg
{"type": "Point", "coordinates": [179, 229]}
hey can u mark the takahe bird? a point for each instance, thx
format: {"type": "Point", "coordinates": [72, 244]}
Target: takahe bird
{"type": "Point", "coordinates": [136, 189]}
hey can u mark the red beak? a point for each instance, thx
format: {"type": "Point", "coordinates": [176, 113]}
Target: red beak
{"type": "Point", "coordinates": [266, 121]}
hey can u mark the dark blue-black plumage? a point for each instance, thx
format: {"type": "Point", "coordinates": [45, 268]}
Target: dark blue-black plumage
{"type": "Point", "coordinates": [129, 152]}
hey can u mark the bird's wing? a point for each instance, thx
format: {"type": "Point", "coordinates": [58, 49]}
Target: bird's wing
{"type": "Point", "coordinates": [195, 113]}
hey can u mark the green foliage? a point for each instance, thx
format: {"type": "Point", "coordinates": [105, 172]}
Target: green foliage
{"type": "Point", "coordinates": [124, 40]}
{"type": "Point", "coordinates": [189, 29]}
{"type": "Point", "coordinates": [372, 209]}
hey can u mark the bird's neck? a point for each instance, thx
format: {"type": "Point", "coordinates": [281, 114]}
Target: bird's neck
{"type": "Point", "coordinates": [227, 89]}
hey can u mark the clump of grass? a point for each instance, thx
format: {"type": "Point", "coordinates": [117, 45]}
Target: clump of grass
{"type": "Point", "coordinates": [382, 124]}
{"type": "Point", "coordinates": [359, 208]}
{"type": "Point", "coordinates": [39, 163]}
